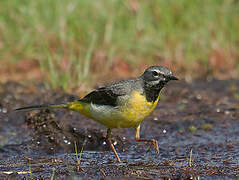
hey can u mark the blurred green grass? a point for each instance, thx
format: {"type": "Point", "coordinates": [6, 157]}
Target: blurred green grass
{"type": "Point", "coordinates": [65, 36]}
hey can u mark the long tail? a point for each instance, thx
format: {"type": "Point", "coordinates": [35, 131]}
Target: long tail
{"type": "Point", "coordinates": [79, 106]}
{"type": "Point", "coordinates": [48, 106]}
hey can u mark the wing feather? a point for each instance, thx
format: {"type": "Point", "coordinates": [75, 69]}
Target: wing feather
{"type": "Point", "coordinates": [107, 95]}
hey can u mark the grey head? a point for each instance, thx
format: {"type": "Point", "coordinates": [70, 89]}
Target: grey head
{"type": "Point", "coordinates": [157, 76]}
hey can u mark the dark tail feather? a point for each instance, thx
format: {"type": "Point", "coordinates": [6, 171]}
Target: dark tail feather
{"type": "Point", "coordinates": [30, 108]}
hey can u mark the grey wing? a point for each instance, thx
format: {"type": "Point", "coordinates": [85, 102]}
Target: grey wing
{"type": "Point", "coordinates": [107, 95]}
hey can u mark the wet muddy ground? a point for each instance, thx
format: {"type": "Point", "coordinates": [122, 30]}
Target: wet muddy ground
{"type": "Point", "coordinates": [196, 125]}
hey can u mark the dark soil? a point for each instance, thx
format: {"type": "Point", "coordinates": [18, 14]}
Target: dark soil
{"type": "Point", "coordinates": [197, 121]}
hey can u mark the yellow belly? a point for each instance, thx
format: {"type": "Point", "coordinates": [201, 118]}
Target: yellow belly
{"type": "Point", "coordinates": [129, 113]}
{"type": "Point", "coordinates": [137, 110]}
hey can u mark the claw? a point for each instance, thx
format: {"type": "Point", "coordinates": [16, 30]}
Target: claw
{"type": "Point", "coordinates": [153, 141]}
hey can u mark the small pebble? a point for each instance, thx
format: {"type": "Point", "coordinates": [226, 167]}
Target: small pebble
{"type": "Point", "coordinates": [52, 116]}
{"type": "Point", "coordinates": [230, 146]}
{"type": "Point", "coordinates": [4, 110]}
{"type": "Point", "coordinates": [192, 128]}
{"type": "Point", "coordinates": [199, 97]}
{"type": "Point", "coordinates": [89, 136]}
{"type": "Point", "coordinates": [188, 79]}
{"type": "Point", "coordinates": [52, 138]}
{"type": "Point", "coordinates": [155, 119]}
{"type": "Point", "coordinates": [227, 112]}
{"type": "Point", "coordinates": [164, 131]}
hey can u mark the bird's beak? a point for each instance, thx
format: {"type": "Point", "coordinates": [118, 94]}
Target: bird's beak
{"type": "Point", "coordinates": [171, 77]}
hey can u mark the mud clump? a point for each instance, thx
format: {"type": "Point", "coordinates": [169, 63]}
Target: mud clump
{"type": "Point", "coordinates": [51, 136]}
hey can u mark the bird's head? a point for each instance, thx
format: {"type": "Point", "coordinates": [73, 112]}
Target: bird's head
{"type": "Point", "coordinates": [157, 76]}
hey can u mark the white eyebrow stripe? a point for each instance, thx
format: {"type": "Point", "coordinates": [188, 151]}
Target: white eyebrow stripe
{"type": "Point", "coordinates": [164, 73]}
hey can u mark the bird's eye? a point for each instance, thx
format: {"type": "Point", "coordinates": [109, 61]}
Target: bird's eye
{"type": "Point", "coordinates": [155, 73]}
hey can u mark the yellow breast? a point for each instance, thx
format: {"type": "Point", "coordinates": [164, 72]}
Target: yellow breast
{"type": "Point", "coordinates": [137, 109]}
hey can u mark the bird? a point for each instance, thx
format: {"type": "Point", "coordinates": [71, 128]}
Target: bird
{"type": "Point", "coordinates": [122, 104]}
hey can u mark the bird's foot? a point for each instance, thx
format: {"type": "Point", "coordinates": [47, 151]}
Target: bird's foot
{"type": "Point", "coordinates": [153, 141]}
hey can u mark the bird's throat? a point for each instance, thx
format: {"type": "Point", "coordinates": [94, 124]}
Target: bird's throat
{"type": "Point", "coordinates": [152, 94]}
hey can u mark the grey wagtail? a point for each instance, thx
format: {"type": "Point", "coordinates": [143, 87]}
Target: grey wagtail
{"type": "Point", "coordinates": [123, 104]}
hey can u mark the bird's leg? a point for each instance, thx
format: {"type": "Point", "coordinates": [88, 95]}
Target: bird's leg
{"type": "Point", "coordinates": [153, 141]}
{"type": "Point", "coordinates": [108, 138]}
